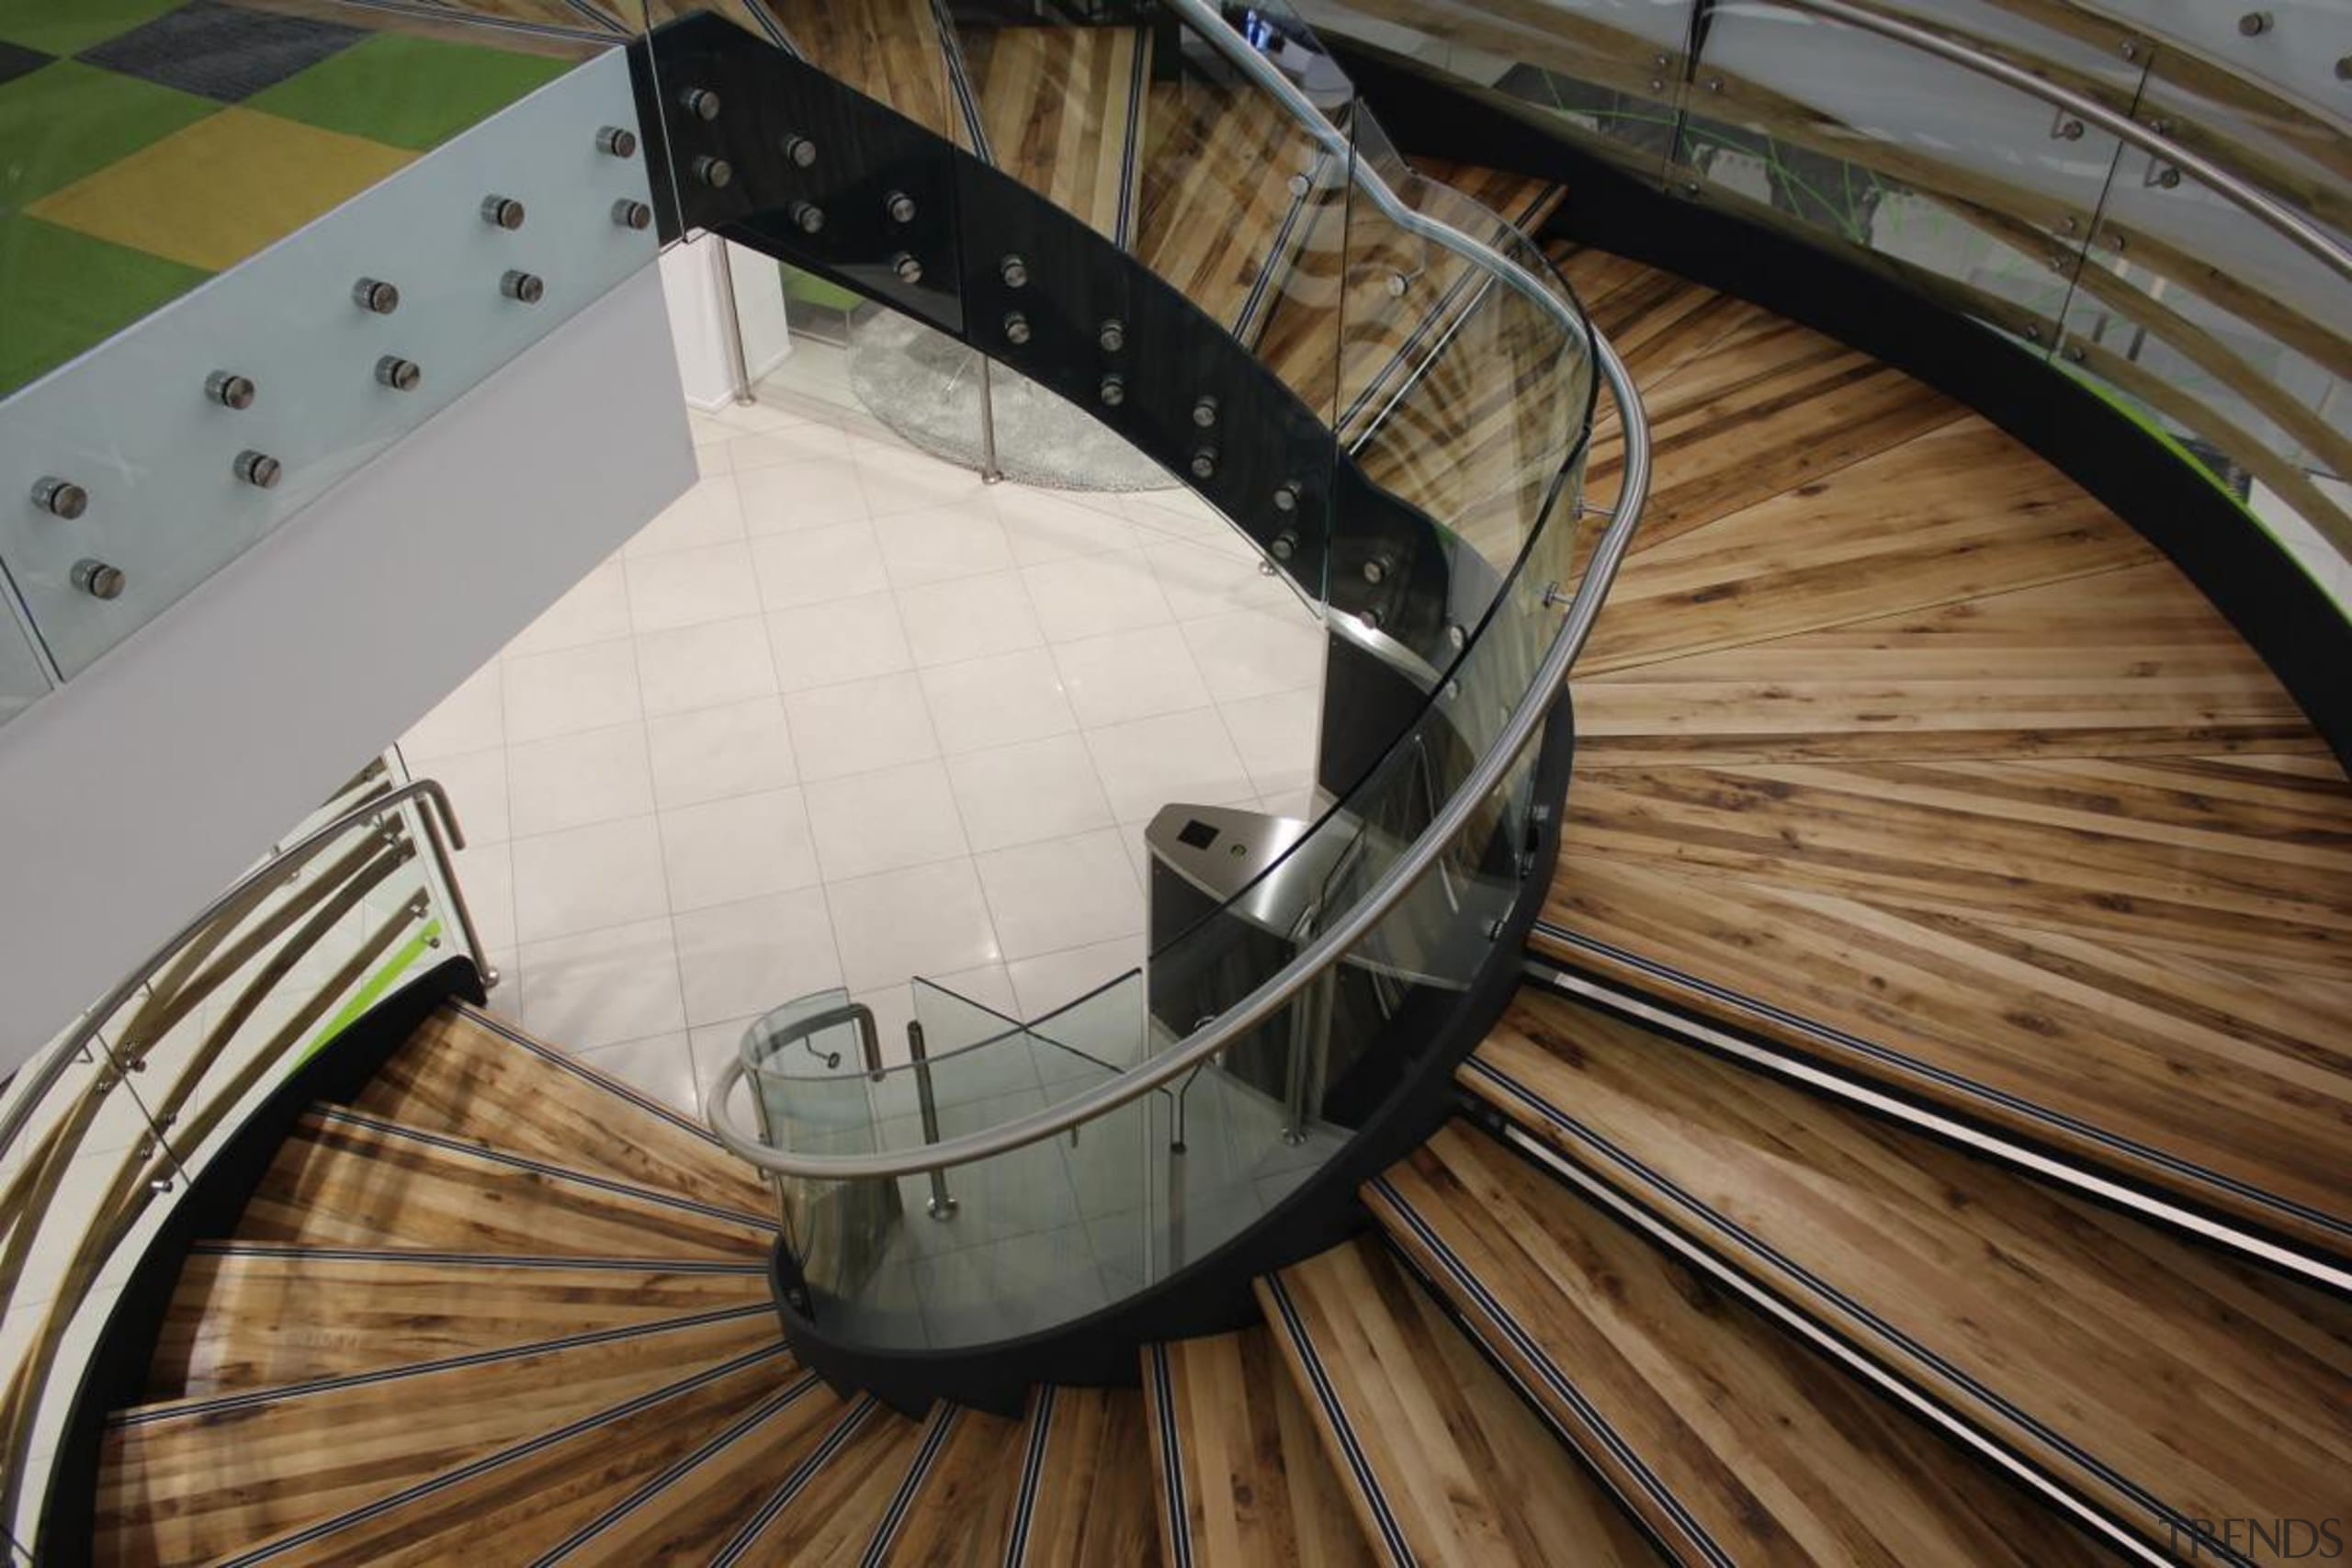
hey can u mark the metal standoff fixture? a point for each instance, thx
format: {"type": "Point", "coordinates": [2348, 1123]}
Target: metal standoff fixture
{"type": "Point", "coordinates": [631, 214]}
{"type": "Point", "coordinates": [1286, 495]}
{"type": "Point", "coordinates": [60, 498]}
{"type": "Point", "coordinates": [700, 102]}
{"type": "Point", "coordinates": [1376, 569]}
{"type": "Point", "coordinates": [230, 389]}
{"type": "Point", "coordinates": [258, 469]}
{"type": "Point", "coordinates": [501, 213]}
{"type": "Point", "coordinates": [1014, 271]}
{"type": "Point", "coordinates": [909, 269]}
{"type": "Point", "coordinates": [1114, 390]}
{"type": "Point", "coordinates": [808, 216]}
{"type": "Point", "coordinates": [716, 172]}
{"type": "Point", "coordinates": [799, 151]}
{"type": "Point", "coordinates": [898, 207]}
{"type": "Point", "coordinates": [1205, 411]}
{"type": "Point", "coordinates": [379, 298]}
{"type": "Point", "coordinates": [616, 141]}
{"type": "Point", "coordinates": [1112, 335]}
{"type": "Point", "coordinates": [1284, 545]}
{"type": "Point", "coordinates": [1016, 328]}
{"type": "Point", "coordinates": [400, 375]}
{"type": "Point", "coordinates": [98, 580]}
{"type": "Point", "coordinates": [1205, 463]}
{"type": "Point", "coordinates": [526, 287]}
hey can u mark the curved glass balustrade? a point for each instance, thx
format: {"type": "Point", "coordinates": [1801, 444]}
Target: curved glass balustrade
{"type": "Point", "coordinates": [2212, 308]}
{"type": "Point", "coordinates": [1387, 387]}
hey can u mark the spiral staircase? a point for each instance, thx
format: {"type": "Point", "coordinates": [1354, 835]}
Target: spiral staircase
{"type": "Point", "coordinates": [1917, 1135]}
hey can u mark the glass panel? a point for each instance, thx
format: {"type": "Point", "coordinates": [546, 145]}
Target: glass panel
{"type": "Point", "coordinates": [23, 679]}
{"type": "Point", "coordinates": [207, 428]}
{"type": "Point", "coordinates": [2299, 51]}
{"type": "Point", "coordinates": [2224, 333]}
{"type": "Point", "coordinates": [1466, 401]}
{"type": "Point", "coordinates": [1974, 193]}
{"type": "Point", "coordinates": [1607, 75]}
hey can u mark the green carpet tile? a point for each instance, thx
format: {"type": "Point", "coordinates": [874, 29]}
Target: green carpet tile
{"type": "Point", "coordinates": [97, 102]}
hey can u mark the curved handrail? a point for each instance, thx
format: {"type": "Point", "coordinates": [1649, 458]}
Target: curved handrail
{"type": "Point", "coordinates": [2268, 207]}
{"type": "Point", "coordinates": [84, 1035]}
{"type": "Point", "coordinates": [1517, 732]}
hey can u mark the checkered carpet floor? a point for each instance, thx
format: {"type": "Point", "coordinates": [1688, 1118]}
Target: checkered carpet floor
{"type": "Point", "coordinates": [147, 144]}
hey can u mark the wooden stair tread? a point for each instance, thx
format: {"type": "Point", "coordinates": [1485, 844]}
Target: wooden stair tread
{"type": "Point", "coordinates": [339, 1183]}
{"type": "Point", "coordinates": [827, 1509]}
{"type": "Point", "coordinates": [2213, 1390]}
{"type": "Point", "coordinates": [1057, 104]}
{"type": "Point", "coordinates": [1722, 1431]}
{"type": "Point", "coordinates": [185, 1481]}
{"type": "Point", "coordinates": [524, 1501]}
{"type": "Point", "coordinates": [1892, 734]}
{"type": "Point", "coordinates": [1458, 1466]}
{"type": "Point", "coordinates": [478, 1078]}
{"type": "Point", "coordinates": [958, 1511]}
{"type": "Point", "coordinates": [1096, 1487]}
{"type": "Point", "coordinates": [1254, 1484]}
{"type": "Point", "coordinates": [241, 1321]}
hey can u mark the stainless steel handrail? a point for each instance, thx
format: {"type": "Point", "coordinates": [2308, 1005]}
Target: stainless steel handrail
{"type": "Point", "coordinates": [439, 821]}
{"type": "Point", "coordinates": [1253, 1010]}
{"type": "Point", "coordinates": [2269, 208]}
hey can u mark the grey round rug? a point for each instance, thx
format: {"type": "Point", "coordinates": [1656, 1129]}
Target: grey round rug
{"type": "Point", "coordinates": [926, 386]}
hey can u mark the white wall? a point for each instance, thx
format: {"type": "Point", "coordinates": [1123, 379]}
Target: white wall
{"type": "Point", "coordinates": [698, 320]}
{"type": "Point", "coordinates": [139, 790]}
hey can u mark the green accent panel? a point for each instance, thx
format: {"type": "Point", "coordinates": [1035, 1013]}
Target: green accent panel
{"type": "Point", "coordinates": [372, 992]}
{"type": "Point", "coordinates": [807, 285]}
{"type": "Point", "coordinates": [408, 92]}
{"type": "Point", "coordinates": [68, 120]}
{"type": "Point", "coordinates": [66, 292]}
{"type": "Point", "coordinates": [69, 27]}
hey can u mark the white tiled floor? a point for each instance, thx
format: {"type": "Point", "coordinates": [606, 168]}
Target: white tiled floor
{"type": "Point", "coordinates": [843, 715]}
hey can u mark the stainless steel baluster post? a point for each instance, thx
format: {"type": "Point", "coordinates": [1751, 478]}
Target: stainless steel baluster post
{"type": "Point", "coordinates": [942, 1206]}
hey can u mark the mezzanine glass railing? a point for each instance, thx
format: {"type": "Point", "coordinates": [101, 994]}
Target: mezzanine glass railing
{"type": "Point", "coordinates": [2142, 197]}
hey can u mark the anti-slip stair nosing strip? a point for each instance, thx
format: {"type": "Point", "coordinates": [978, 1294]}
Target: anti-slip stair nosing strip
{"type": "Point", "coordinates": [1595, 1424]}
{"type": "Point", "coordinates": [1367, 1482]}
{"type": "Point", "coordinates": [343, 1116]}
{"type": "Point", "coordinates": [248, 1398]}
{"type": "Point", "coordinates": [1131, 155]}
{"type": "Point", "coordinates": [1171, 1461]}
{"type": "Point", "coordinates": [1280, 254]}
{"type": "Point", "coordinates": [1033, 1476]}
{"type": "Point", "coordinates": [592, 1076]}
{"type": "Point", "coordinates": [678, 1469]}
{"type": "Point", "coordinates": [1706, 1216]}
{"type": "Point", "coordinates": [795, 1482]}
{"type": "Point", "coordinates": [2007, 1150]}
{"type": "Point", "coordinates": [1830, 1035]}
{"type": "Point", "coordinates": [1829, 1342]}
{"type": "Point", "coordinates": [293, 1252]}
{"type": "Point", "coordinates": [1527, 1396]}
{"type": "Point", "coordinates": [902, 1501]}
{"type": "Point", "coordinates": [521, 1450]}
